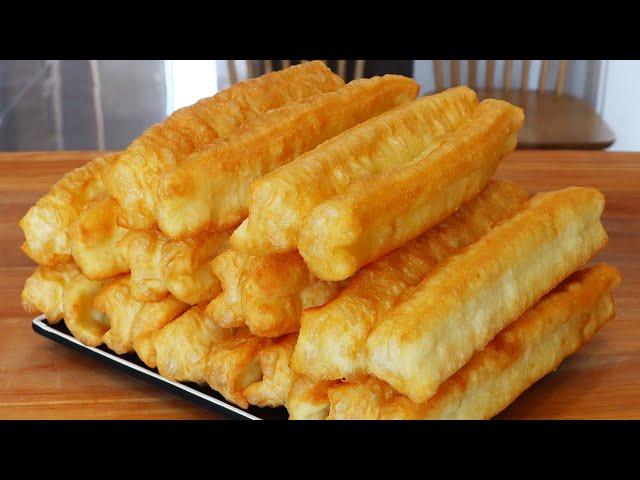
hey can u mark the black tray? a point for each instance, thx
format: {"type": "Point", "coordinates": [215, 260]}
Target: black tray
{"type": "Point", "coordinates": [203, 395]}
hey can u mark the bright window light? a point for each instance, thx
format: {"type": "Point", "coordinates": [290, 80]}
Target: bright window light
{"type": "Point", "coordinates": [188, 81]}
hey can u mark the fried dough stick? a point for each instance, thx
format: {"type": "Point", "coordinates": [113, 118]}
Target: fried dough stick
{"type": "Point", "coordinates": [275, 290]}
{"type": "Point", "coordinates": [181, 346]}
{"type": "Point", "coordinates": [380, 213]}
{"type": "Point", "coordinates": [308, 399]}
{"type": "Point", "coordinates": [474, 294]}
{"type": "Point", "coordinates": [44, 290]}
{"type": "Point", "coordinates": [133, 179]}
{"type": "Point", "coordinates": [209, 190]}
{"type": "Point", "coordinates": [528, 349]}
{"type": "Point", "coordinates": [332, 340]}
{"type": "Point", "coordinates": [280, 201]}
{"type": "Point", "coordinates": [85, 322]}
{"type": "Point", "coordinates": [94, 236]}
{"type": "Point", "coordinates": [46, 224]}
{"type": "Point", "coordinates": [226, 309]}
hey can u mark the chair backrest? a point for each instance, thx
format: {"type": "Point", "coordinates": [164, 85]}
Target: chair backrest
{"type": "Point", "coordinates": [255, 68]}
{"type": "Point", "coordinates": [507, 75]}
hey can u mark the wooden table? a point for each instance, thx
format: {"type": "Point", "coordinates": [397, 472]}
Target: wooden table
{"type": "Point", "coordinates": [41, 379]}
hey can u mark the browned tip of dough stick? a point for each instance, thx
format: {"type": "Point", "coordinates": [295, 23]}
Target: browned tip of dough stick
{"type": "Point", "coordinates": [148, 321]}
{"type": "Point", "coordinates": [529, 348]}
{"type": "Point", "coordinates": [274, 291]}
{"type": "Point", "coordinates": [226, 309]}
{"type": "Point", "coordinates": [143, 252]}
{"type": "Point", "coordinates": [93, 238]}
{"type": "Point", "coordinates": [475, 293]}
{"type": "Point", "coordinates": [133, 179]}
{"type": "Point", "coordinates": [361, 400]}
{"type": "Point", "coordinates": [280, 201]}
{"type": "Point", "coordinates": [47, 223]}
{"type": "Point", "coordinates": [308, 399]}
{"type": "Point", "coordinates": [185, 267]}
{"type": "Point", "coordinates": [209, 190]}
{"type": "Point", "coordinates": [182, 345]}
{"type": "Point", "coordinates": [332, 340]}
{"type": "Point", "coordinates": [120, 308]}
{"type": "Point", "coordinates": [380, 213]}
{"type": "Point", "coordinates": [277, 376]}
{"type": "Point", "coordinates": [43, 291]}
{"type": "Point", "coordinates": [81, 318]}
{"type": "Point", "coordinates": [233, 364]}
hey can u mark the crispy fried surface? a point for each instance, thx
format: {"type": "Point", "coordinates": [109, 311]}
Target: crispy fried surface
{"type": "Point", "coordinates": [274, 290]}
{"type": "Point", "coordinates": [47, 223]}
{"type": "Point", "coordinates": [234, 364]}
{"type": "Point", "coordinates": [209, 190]}
{"type": "Point", "coordinates": [117, 303]}
{"type": "Point", "coordinates": [93, 237]}
{"type": "Point", "coordinates": [148, 321]}
{"type": "Point", "coordinates": [272, 389]}
{"type": "Point", "coordinates": [226, 309]}
{"type": "Point", "coordinates": [143, 251]}
{"type": "Point", "coordinates": [182, 345]}
{"type": "Point", "coordinates": [474, 294]}
{"type": "Point", "coordinates": [43, 290]}
{"type": "Point", "coordinates": [308, 399]}
{"type": "Point", "coordinates": [532, 346]}
{"type": "Point", "coordinates": [350, 230]}
{"type": "Point", "coordinates": [185, 266]}
{"type": "Point", "coordinates": [134, 178]}
{"type": "Point", "coordinates": [332, 340]}
{"type": "Point", "coordinates": [280, 201]}
{"type": "Point", "coordinates": [83, 321]}
{"type": "Point", "coordinates": [359, 400]}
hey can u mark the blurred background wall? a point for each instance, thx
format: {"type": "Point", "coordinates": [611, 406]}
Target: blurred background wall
{"type": "Point", "coordinates": [89, 104]}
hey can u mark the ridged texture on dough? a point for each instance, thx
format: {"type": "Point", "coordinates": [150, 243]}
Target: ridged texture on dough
{"type": "Point", "coordinates": [226, 309]}
{"type": "Point", "coordinates": [182, 345]}
{"type": "Point", "coordinates": [43, 291]}
{"type": "Point", "coordinates": [308, 399]}
{"type": "Point", "coordinates": [83, 321]}
{"type": "Point", "coordinates": [332, 340]}
{"type": "Point", "coordinates": [380, 213]}
{"type": "Point", "coordinates": [531, 347]}
{"type": "Point", "coordinates": [280, 201]}
{"type": "Point", "coordinates": [133, 179]}
{"type": "Point", "coordinates": [94, 237]}
{"type": "Point", "coordinates": [209, 190]}
{"type": "Point", "coordinates": [46, 224]}
{"type": "Point", "coordinates": [474, 294]}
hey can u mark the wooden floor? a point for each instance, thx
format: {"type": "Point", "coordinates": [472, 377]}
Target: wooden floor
{"type": "Point", "coordinates": [41, 379]}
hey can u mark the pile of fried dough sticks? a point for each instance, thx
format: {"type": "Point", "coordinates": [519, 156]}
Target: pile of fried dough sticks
{"type": "Point", "coordinates": [339, 249]}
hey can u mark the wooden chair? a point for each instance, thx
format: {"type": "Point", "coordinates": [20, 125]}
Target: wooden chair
{"type": "Point", "coordinates": [553, 120]}
{"type": "Point", "coordinates": [254, 68]}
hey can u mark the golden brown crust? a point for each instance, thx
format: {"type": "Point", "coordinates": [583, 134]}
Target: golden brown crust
{"type": "Point", "coordinates": [143, 251]}
{"type": "Point", "coordinates": [272, 389]}
{"type": "Point", "coordinates": [182, 345]}
{"type": "Point", "coordinates": [214, 181]}
{"type": "Point", "coordinates": [43, 291]}
{"type": "Point", "coordinates": [119, 306]}
{"type": "Point", "coordinates": [358, 400]}
{"type": "Point", "coordinates": [280, 201]}
{"type": "Point", "coordinates": [83, 321]}
{"type": "Point", "coordinates": [148, 321]}
{"type": "Point", "coordinates": [525, 351]}
{"type": "Point", "coordinates": [133, 179]}
{"type": "Point", "coordinates": [93, 237]}
{"type": "Point", "coordinates": [233, 364]}
{"type": "Point", "coordinates": [474, 294]}
{"type": "Point", "coordinates": [226, 309]}
{"type": "Point", "coordinates": [185, 266]}
{"type": "Point", "coordinates": [350, 230]}
{"type": "Point", "coordinates": [47, 223]}
{"type": "Point", "coordinates": [308, 399]}
{"type": "Point", "coordinates": [332, 340]}
{"type": "Point", "coordinates": [275, 289]}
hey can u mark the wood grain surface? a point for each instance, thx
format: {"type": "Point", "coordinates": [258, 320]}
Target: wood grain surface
{"type": "Point", "coordinates": [41, 379]}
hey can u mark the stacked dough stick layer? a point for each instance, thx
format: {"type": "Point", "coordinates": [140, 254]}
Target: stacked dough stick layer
{"type": "Point", "coordinates": [338, 249]}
